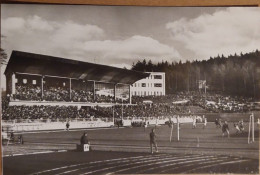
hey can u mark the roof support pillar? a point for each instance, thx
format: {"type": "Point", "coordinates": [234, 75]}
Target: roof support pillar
{"type": "Point", "coordinates": [42, 92]}
{"type": "Point", "coordinates": [94, 91]}
{"type": "Point", "coordinates": [130, 95]}
{"type": "Point", "coordinates": [13, 83]}
{"type": "Point", "coordinates": [115, 93]}
{"type": "Point", "coordinates": [70, 88]}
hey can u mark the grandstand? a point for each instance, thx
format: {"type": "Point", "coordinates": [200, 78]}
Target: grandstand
{"type": "Point", "coordinates": [46, 88]}
{"type": "Point", "coordinates": [36, 77]}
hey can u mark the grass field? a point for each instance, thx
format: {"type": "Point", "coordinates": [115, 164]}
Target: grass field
{"type": "Point", "coordinates": [200, 146]}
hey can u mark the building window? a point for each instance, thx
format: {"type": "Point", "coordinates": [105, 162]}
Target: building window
{"type": "Point", "coordinates": [157, 77]}
{"type": "Point", "coordinates": [144, 93]}
{"type": "Point", "coordinates": [143, 85]}
{"type": "Point", "coordinates": [24, 81]}
{"type": "Point", "coordinates": [157, 85]}
{"type": "Point", "coordinates": [34, 82]}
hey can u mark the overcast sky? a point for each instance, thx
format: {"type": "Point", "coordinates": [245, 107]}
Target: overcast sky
{"type": "Point", "coordinates": [119, 36]}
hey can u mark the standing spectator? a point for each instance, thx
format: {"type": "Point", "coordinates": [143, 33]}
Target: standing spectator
{"type": "Point", "coordinates": [153, 141]}
{"type": "Point", "coordinates": [68, 126]}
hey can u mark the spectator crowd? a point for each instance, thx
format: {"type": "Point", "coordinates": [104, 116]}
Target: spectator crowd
{"type": "Point", "coordinates": [50, 93]}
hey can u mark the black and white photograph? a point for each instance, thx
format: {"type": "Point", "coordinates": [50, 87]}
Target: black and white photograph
{"type": "Point", "coordinates": [89, 89]}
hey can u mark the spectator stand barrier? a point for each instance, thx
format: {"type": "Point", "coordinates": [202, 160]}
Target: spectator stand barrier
{"type": "Point", "coordinates": [41, 125]}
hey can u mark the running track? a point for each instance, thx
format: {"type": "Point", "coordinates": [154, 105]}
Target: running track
{"type": "Point", "coordinates": [153, 164]}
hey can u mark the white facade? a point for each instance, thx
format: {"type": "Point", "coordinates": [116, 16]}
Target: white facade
{"type": "Point", "coordinates": [152, 85]}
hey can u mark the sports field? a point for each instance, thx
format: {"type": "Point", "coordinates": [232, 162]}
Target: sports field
{"type": "Point", "coordinates": [126, 150]}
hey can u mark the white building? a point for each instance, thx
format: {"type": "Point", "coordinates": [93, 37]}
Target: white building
{"type": "Point", "coordinates": [152, 85]}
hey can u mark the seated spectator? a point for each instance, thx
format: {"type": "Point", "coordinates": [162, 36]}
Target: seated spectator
{"type": "Point", "coordinates": [84, 139]}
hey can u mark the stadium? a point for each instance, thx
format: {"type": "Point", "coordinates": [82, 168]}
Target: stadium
{"type": "Point", "coordinates": [50, 102]}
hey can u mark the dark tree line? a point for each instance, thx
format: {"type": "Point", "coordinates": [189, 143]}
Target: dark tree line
{"type": "Point", "coordinates": [233, 75]}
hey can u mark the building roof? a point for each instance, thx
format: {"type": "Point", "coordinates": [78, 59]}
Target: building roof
{"type": "Point", "coordinates": [36, 64]}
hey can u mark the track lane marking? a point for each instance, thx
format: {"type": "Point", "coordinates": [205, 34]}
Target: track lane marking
{"type": "Point", "coordinates": [131, 160]}
{"type": "Point", "coordinates": [156, 163]}
{"type": "Point", "coordinates": [63, 167]}
{"type": "Point", "coordinates": [101, 161]}
{"type": "Point", "coordinates": [223, 163]}
{"type": "Point", "coordinates": [136, 163]}
{"type": "Point", "coordinates": [188, 165]}
{"type": "Point", "coordinates": [110, 162]}
{"type": "Point", "coordinates": [179, 163]}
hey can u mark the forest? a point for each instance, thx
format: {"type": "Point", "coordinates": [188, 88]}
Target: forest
{"type": "Point", "coordinates": [236, 75]}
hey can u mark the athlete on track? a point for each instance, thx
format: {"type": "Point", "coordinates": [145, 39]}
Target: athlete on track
{"type": "Point", "coordinates": [153, 141]}
{"type": "Point", "coordinates": [225, 129]}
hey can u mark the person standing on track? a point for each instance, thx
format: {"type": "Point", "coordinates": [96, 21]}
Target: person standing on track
{"type": "Point", "coordinates": [241, 125]}
{"type": "Point", "coordinates": [218, 123]}
{"type": "Point", "coordinates": [68, 126]}
{"type": "Point", "coordinates": [225, 129]}
{"type": "Point", "coordinates": [153, 141]}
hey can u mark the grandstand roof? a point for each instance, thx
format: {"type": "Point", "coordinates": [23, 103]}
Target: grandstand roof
{"type": "Point", "coordinates": [30, 63]}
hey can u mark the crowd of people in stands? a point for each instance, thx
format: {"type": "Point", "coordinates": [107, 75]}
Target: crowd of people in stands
{"type": "Point", "coordinates": [81, 96]}
{"type": "Point", "coordinates": [28, 92]}
{"type": "Point", "coordinates": [52, 113]}
{"type": "Point", "coordinates": [33, 93]}
{"type": "Point", "coordinates": [160, 105]}
{"type": "Point", "coordinates": [63, 112]}
{"type": "Point", "coordinates": [212, 102]}
{"type": "Point", "coordinates": [56, 94]}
